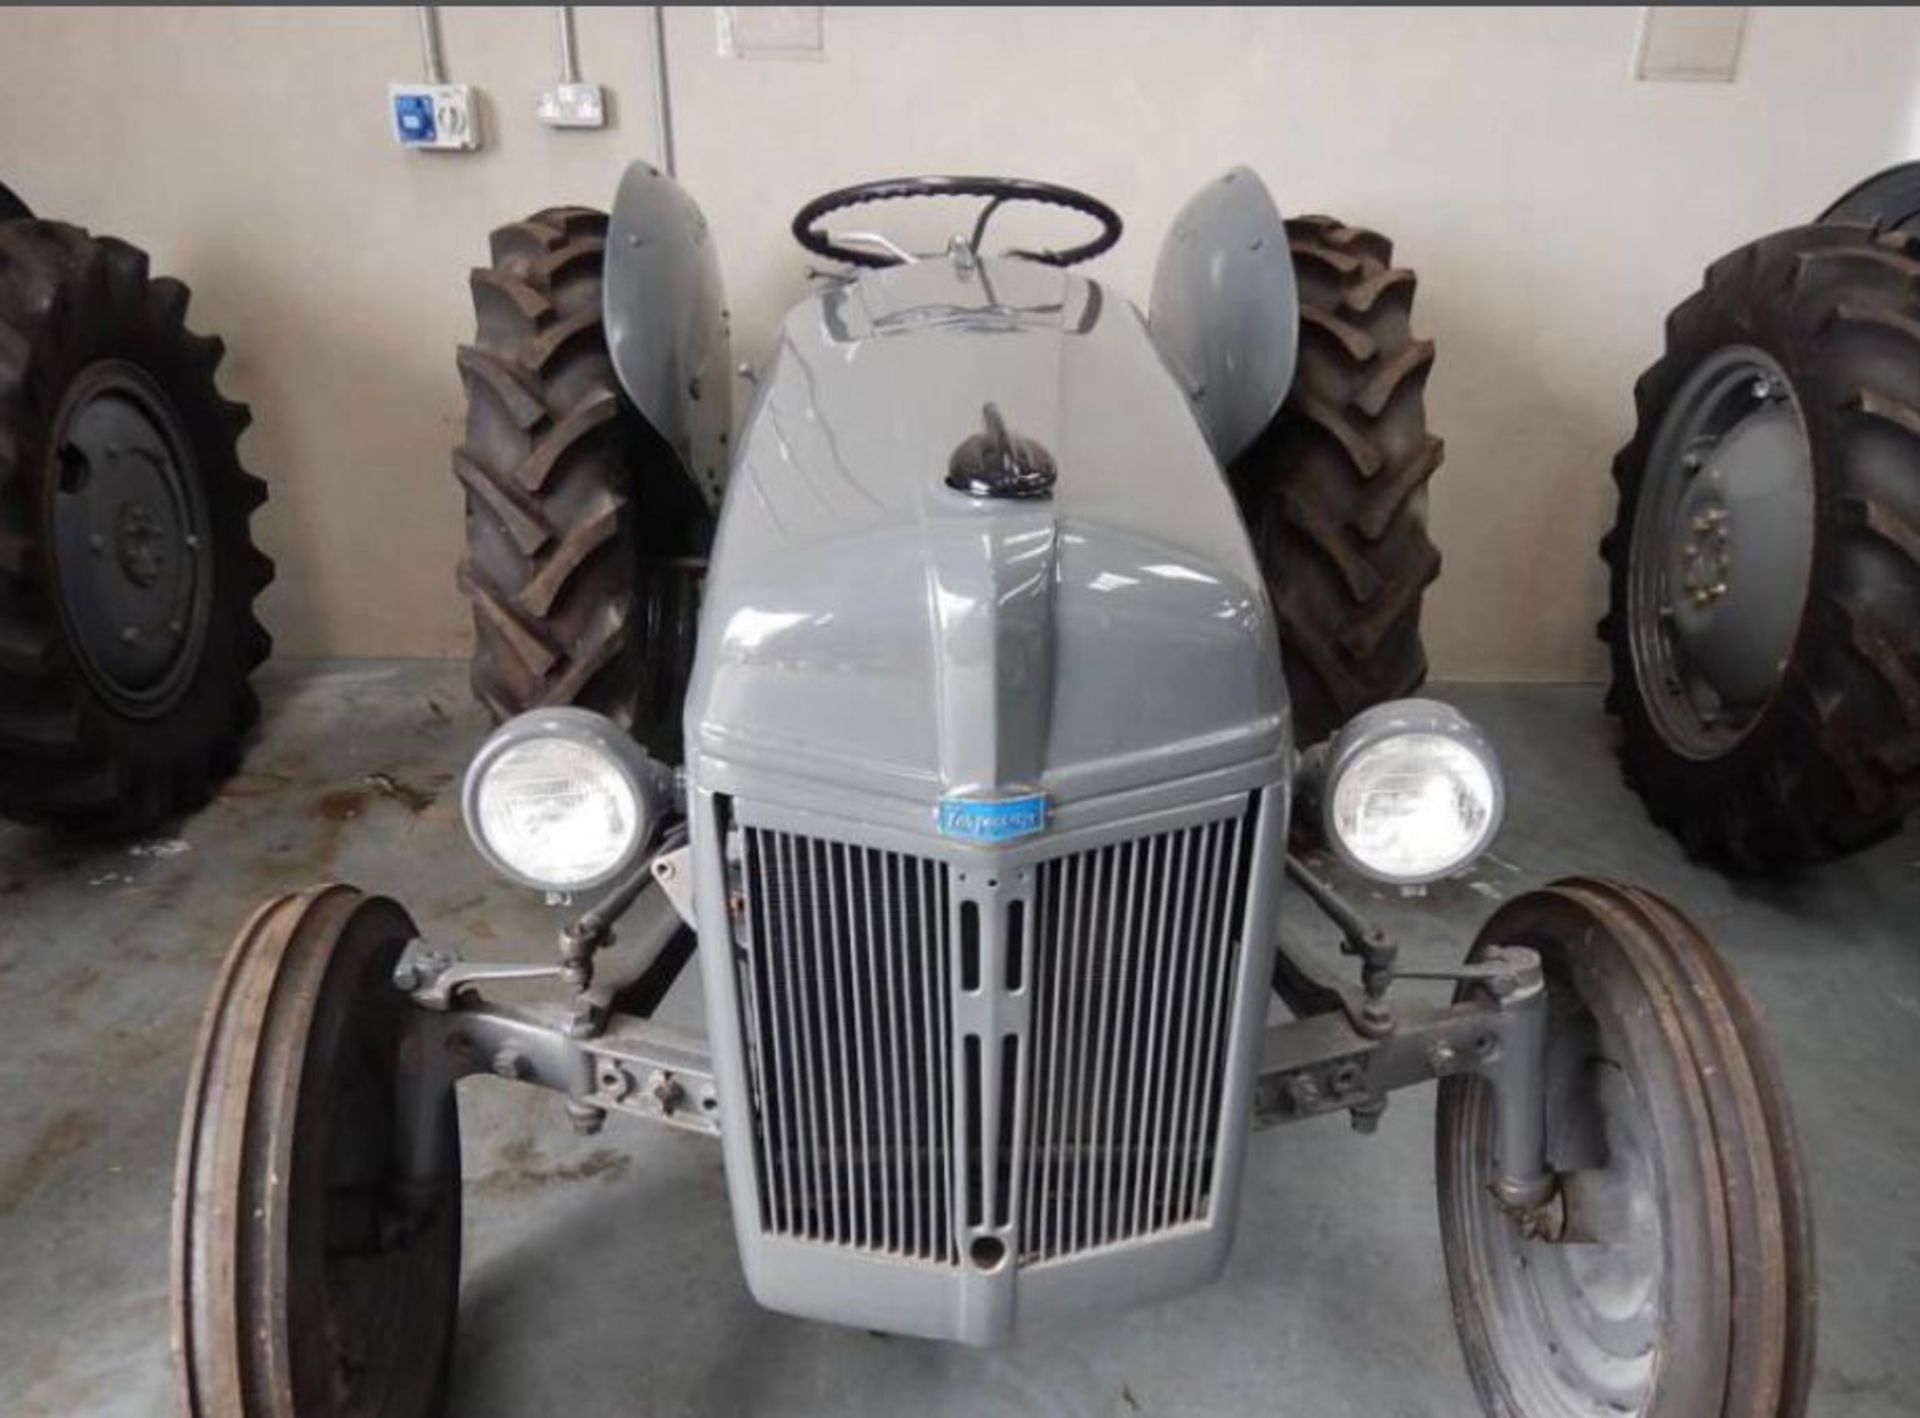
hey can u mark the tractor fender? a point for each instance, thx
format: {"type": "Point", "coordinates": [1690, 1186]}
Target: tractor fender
{"type": "Point", "coordinates": [667, 322]}
{"type": "Point", "coordinates": [1225, 312]}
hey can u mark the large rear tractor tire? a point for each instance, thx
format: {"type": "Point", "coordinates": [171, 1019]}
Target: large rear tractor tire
{"type": "Point", "coordinates": [12, 208]}
{"type": "Point", "coordinates": [1334, 491]}
{"type": "Point", "coordinates": [1764, 616]}
{"type": "Point", "coordinates": [127, 567]}
{"type": "Point", "coordinates": [584, 538]}
{"type": "Point", "coordinates": [1889, 200]}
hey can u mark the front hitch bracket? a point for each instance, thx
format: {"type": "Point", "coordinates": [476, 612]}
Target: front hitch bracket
{"type": "Point", "coordinates": [1348, 1050]}
{"type": "Point", "coordinates": [600, 1059]}
{"type": "Point", "coordinates": [639, 1067]}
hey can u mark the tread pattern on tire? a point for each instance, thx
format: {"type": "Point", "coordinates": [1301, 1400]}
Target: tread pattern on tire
{"type": "Point", "coordinates": [541, 464]}
{"type": "Point", "coordinates": [569, 494]}
{"type": "Point", "coordinates": [68, 298]}
{"type": "Point", "coordinates": [1832, 764]}
{"type": "Point", "coordinates": [1334, 492]}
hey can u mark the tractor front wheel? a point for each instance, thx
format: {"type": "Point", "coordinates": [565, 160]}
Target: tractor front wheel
{"type": "Point", "coordinates": [315, 1273]}
{"type": "Point", "coordinates": [1672, 1274]}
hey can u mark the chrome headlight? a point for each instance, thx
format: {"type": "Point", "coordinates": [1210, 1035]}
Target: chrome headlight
{"type": "Point", "coordinates": [563, 800]}
{"type": "Point", "coordinates": [1409, 791]}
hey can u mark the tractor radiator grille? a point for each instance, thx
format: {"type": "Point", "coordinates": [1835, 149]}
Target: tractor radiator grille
{"type": "Point", "coordinates": [844, 989]}
{"type": "Point", "coordinates": [875, 1128]}
{"type": "Point", "coordinates": [1135, 957]}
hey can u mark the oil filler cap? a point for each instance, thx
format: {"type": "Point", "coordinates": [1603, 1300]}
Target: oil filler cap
{"type": "Point", "coordinates": [998, 463]}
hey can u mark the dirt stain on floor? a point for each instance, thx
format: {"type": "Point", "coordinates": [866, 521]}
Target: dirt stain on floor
{"type": "Point", "coordinates": [253, 785]}
{"type": "Point", "coordinates": [524, 1169]}
{"type": "Point", "coordinates": [413, 798]}
{"type": "Point", "coordinates": [58, 1140]}
{"type": "Point", "coordinates": [344, 804]}
{"type": "Point", "coordinates": [340, 805]}
{"type": "Point", "coordinates": [333, 811]}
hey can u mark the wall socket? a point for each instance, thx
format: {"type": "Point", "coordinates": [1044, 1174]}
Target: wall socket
{"type": "Point", "coordinates": [572, 106]}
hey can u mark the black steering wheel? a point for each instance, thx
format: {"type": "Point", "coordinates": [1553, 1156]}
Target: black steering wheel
{"type": "Point", "coordinates": [808, 232]}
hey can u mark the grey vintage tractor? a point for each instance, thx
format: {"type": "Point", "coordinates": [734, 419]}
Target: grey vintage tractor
{"type": "Point", "coordinates": [128, 571]}
{"type": "Point", "coordinates": [988, 792]}
{"type": "Point", "coordinates": [1764, 618]}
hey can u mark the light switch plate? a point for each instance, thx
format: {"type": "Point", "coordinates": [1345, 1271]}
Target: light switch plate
{"type": "Point", "coordinates": [771, 31]}
{"type": "Point", "coordinates": [1689, 43]}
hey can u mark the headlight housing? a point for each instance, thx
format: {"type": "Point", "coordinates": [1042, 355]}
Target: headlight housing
{"type": "Point", "coordinates": [563, 800]}
{"type": "Point", "coordinates": [1408, 792]}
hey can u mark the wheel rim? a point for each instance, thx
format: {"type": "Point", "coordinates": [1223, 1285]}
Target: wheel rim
{"type": "Point", "coordinates": [311, 1276]}
{"type": "Point", "coordinates": [130, 538]}
{"type": "Point", "coordinates": [1721, 552]}
{"type": "Point", "coordinates": [1578, 1324]}
{"type": "Point", "coordinates": [1682, 1280]}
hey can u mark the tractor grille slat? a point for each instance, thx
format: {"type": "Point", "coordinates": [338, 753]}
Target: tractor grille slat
{"type": "Point", "coordinates": [843, 992]}
{"type": "Point", "coordinates": [1134, 961]}
{"type": "Point", "coordinates": [1093, 1122]}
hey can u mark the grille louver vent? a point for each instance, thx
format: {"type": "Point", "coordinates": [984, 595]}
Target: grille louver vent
{"type": "Point", "coordinates": [870, 1114]}
{"type": "Point", "coordinates": [844, 989]}
{"type": "Point", "coordinates": [1134, 966]}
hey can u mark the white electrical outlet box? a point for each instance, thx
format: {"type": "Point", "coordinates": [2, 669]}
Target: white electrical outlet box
{"type": "Point", "coordinates": [572, 106]}
{"type": "Point", "coordinates": [434, 117]}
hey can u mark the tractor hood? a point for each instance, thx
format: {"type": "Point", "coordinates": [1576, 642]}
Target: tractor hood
{"type": "Point", "coordinates": [877, 638]}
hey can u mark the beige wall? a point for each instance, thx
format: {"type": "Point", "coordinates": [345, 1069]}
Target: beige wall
{"type": "Point", "coordinates": [1554, 209]}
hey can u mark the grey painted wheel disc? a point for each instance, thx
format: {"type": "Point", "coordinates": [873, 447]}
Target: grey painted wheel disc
{"type": "Point", "coordinates": [129, 537]}
{"type": "Point", "coordinates": [1580, 1321]}
{"type": "Point", "coordinates": [1722, 551]}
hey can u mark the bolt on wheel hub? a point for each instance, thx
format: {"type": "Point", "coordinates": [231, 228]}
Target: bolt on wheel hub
{"type": "Point", "coordinates": [141, 544]}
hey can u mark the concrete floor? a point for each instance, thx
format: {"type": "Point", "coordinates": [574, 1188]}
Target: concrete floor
{"type": "Point", "coordinates": [601, 1272]}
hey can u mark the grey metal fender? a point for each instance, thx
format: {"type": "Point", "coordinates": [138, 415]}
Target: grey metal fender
{"type": "Point", "coordinates": [666, 319]}
{"type": "Point", "coordinates": [1225, 311]}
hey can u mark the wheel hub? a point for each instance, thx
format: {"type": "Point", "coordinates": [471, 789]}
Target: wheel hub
{"type": "Point", "coordinates": [1722, 551]}
{"type": "Point", "coordinates": [1597, 1291]}
{"type": "Point", "coordinates": [141, 544]}
{"type": "Point", "coordinates": [1706, 556]}
{"type": "Point", "coordinates": [128, 525]}
{"type": "Point", "coordinates": [1587, 1295]}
